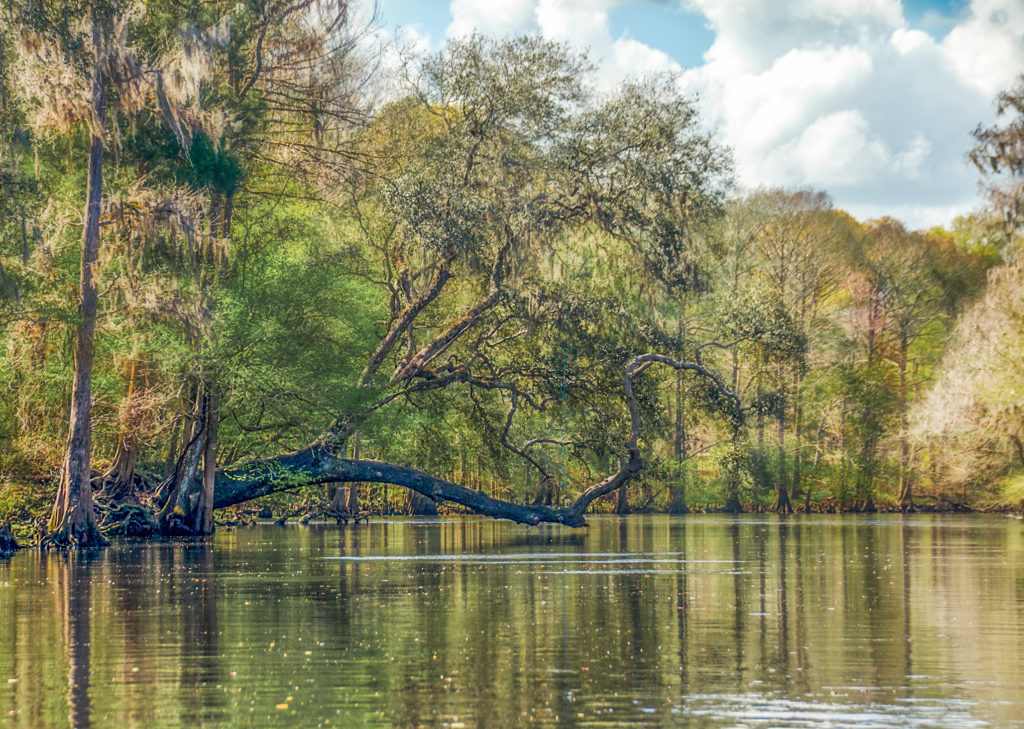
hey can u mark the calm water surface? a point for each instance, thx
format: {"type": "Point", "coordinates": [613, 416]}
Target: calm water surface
{"type": "Point", "coordinates": [703, 621]}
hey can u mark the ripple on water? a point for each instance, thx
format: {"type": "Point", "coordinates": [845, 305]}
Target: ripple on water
{"type": "Point", "coordinates": [703, 621]}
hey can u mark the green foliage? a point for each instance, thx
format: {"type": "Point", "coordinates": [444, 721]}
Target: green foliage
{"type": "Point", "coordinates": [463, 275]}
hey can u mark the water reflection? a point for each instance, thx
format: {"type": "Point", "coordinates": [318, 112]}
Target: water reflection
{"type": "Point", "coordinates": [75, 590]}
{"type": "Point", "coordinates": [693, 621]}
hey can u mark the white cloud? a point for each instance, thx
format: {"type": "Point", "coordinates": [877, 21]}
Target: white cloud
{"type": "Point", "coordinates": [911, 161]}
{"type": "Point", "coordinates": [494, 17]}
{"type": "Point", "coordinates": [764, 109]}
{"type": "Point", "coordinates": [838, 94]}
{"type": "Point", "coordinates": [752, 34]}
{"type": "Point", "coordinates": [632, 58]}
{"type": "Point", "coordinates": [846, 96]}
{"type": "Point", "coordinates": [838, 150]}
{"type": "Point", "coordinates": [987, 49]}
{"type": "Point", "coordinates": [583, 24]}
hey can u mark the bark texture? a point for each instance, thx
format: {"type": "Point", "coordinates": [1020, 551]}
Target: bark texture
{"type": "Point", "coordinates": [119, 481]}
{"type": "Point", "coordinates": [73, 520]}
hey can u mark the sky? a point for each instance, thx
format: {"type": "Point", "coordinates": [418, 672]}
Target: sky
{"type": "Point", "coordinates": [872, 101]}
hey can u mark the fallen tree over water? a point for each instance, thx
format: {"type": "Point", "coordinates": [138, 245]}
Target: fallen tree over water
{"type": "Point", "coordinates": [316, 464]}
{"type": "Point", "coordinates": [466, 233]}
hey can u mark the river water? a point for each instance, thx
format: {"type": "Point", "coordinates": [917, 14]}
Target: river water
{"type": "Point", "coordinates": [701, 621]}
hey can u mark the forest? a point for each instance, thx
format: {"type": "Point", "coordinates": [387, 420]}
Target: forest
{"type": "Point", "coordinates": [249, 264]}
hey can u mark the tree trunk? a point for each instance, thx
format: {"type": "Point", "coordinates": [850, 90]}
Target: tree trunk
{"type": "Point", "coordinates": [798, 466]}
{"type": "Point", "coordinates": [843, 466]}
{"type": "Point", "coordinates": [352, 498]}
{"type": "Point", "coordinates": [352, 494]}
{"type": "Point", "coordinates": [73, 520]}
{"type": "Point", "coordinates": [337, 502]}
{"type": "Point", "coordinates": [178, 515]}
{"type": "Point", "coordinates": [172, 449]}
{"type": "Point", "coordinates": [622, 501]}
{"type": "Point", "coordinates": [677, 492]}
{"type": "Point", "coordinates": [8, 544]}
{"type": "Point", "coordinates": [204, 510]}
{"type": "Point", "coordinates": [906, 497]}
{"type": "Point", "coordinates": [317, 464]}
{"type": "Point", "coordinates": [119, 480]}
{"type": "Point", "coordinates": [419, 505]}
{"type": "Point", "coordinates": [732, 499]}
{"type": "Point", "coordinates": [781, 505]}
{"type": "Point", "coordinates": [546, 492]}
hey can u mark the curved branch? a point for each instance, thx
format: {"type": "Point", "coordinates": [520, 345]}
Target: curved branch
{"type": "Point", "coordinates": [521, 452]}
{"type": "Point", "coordinates": [317, 464]}
{"type": "Point", "coordinates": [445, 339]}
{"type": "Point", "coordinates": [634, 462]}
{"type": "Point", "coordinates": [404, 321]}
{"type": "Point", "coordinates": [314, 466]}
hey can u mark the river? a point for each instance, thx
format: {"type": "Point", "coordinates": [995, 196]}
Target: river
{"type": "Point", "coordinates": [700, 621]}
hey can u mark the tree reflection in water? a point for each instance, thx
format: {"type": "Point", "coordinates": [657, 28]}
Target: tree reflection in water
{"type": "Point", "coordinates": [714, 620]}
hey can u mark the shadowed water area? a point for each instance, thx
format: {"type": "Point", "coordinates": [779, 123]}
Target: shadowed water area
{"type": "Point", "coordinates": [702, 621]}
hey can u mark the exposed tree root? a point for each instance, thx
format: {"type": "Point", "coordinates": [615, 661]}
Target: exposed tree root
{"type": "Point", "coordinates": [126, 519]}
{"type": "Point", "coordinates": [73, 536]}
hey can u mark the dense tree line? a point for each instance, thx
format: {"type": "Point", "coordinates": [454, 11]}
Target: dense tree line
{"type": "Point", "coordinates": [230, 269]}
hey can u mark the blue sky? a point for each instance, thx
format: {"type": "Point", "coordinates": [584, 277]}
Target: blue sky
{"type": "Point", "coordinates": [870, 100]}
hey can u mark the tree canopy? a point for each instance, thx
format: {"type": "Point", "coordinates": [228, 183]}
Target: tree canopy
{"type": "Point", "coordinates": [502, 286]}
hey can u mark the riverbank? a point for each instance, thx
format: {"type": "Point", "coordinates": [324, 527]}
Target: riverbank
{"type": "Point", "coordinates": [137, 522]}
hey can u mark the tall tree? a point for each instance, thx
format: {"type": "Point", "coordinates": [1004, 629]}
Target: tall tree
{"type": "Point", "coordinates": [971, 418]}
{"type": "Point", "coordinates": [75, 62]}
{"type": "Point", "coordinates": [797, 247]}
{"type": "Point", "coordinates": [999, 156]}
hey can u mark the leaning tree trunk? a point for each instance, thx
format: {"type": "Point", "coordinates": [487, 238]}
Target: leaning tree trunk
{"type": "Point", "coordinates": [317, 464]}
{"type": "Point", "coordinates": [73, 520]}
{"type": "Point", "coordinates": [189, 498]}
